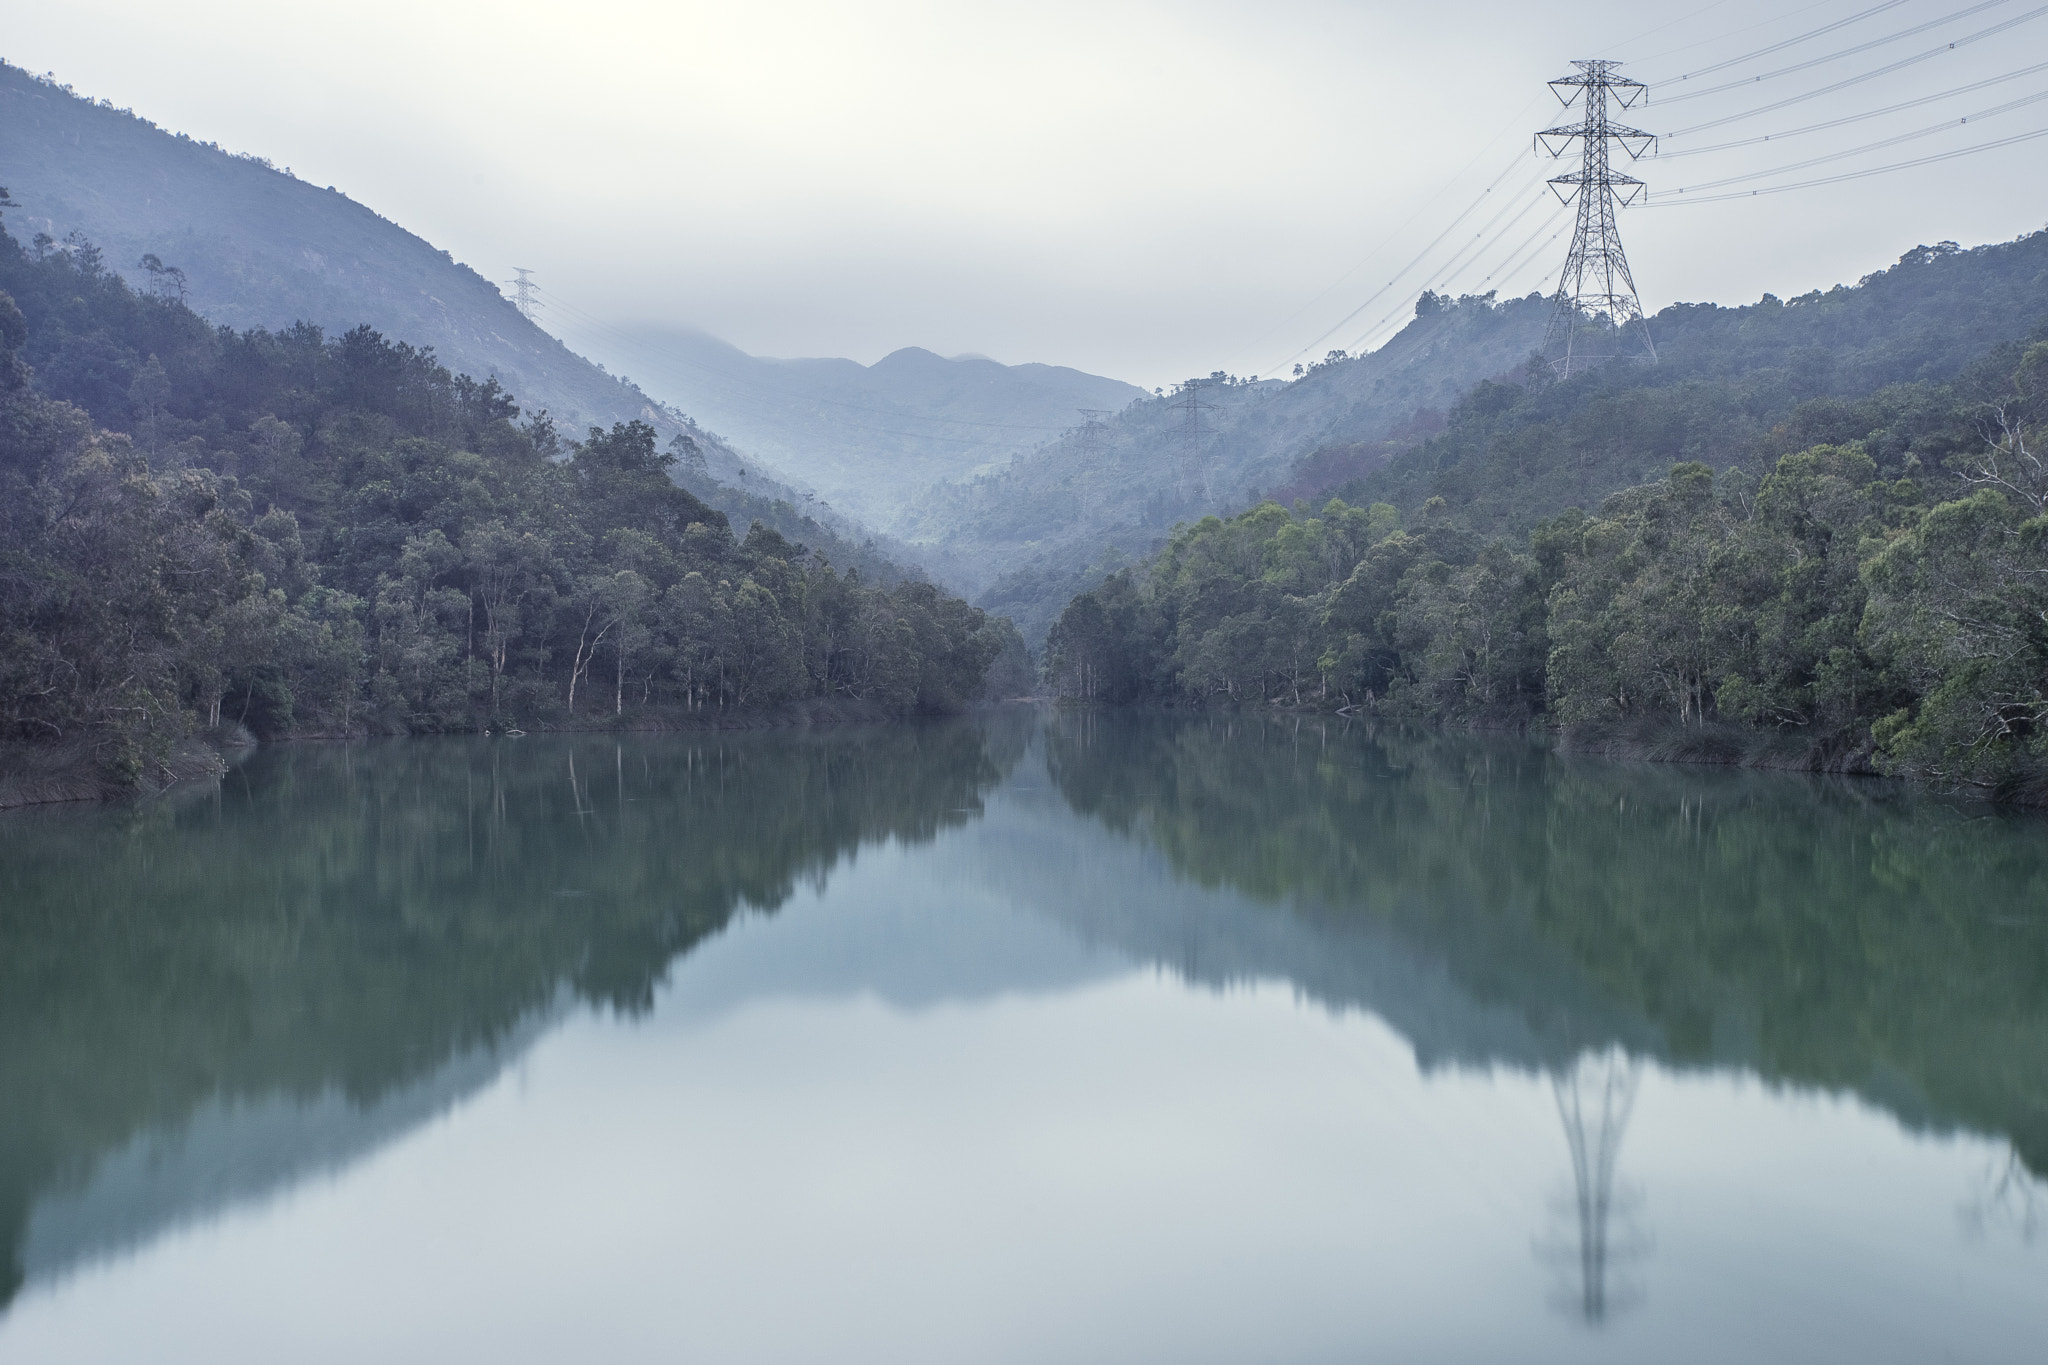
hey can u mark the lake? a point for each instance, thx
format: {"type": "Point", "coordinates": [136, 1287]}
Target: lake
{"type": "Point", "coordinates": [1075, 1038]}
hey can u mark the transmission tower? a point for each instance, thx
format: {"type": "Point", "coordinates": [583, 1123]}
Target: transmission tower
{"type": "Point", "coordinates": [1191, 407]}
{"type": "Point", "coordinates": [1089, 436]}
{"type": "Point", "coordinates": [525, 296]}
{"type": "Point", "coordinates": [1596, 283]}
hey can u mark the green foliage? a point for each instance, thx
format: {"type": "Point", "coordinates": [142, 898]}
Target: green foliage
{"type": "Point", "coordinates": [1865, 602]}
{"type": "Point", "coordinates": [299, 533]}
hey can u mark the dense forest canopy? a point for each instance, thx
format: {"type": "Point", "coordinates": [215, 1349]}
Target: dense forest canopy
{"type": "Point", "coordinates": [1816, 537]}
{"type": "Point", "coordinates": [300, 532]}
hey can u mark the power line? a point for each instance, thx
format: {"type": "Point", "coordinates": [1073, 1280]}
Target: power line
{"type": "Point", "coordinates": [1809, 35]}
{"type": "Point", "coordinates": [1928, 131]}
{"type": "Point", "coordinates": [1854, 175]}
{"type": "Point", "coordinates": [1374, 254]}
{"type": "Point", "coordinates": [1596, 283]}
{"type": "Point", "coordinates": [1403, 271]}
{"type": "Point", "coordinates": [1486, 236]}
{"type": "Point", "coordinates": [1683, 19]}
{"type": "Point", "coordinates": [1663, 155]}
{"type": "Point", "coordinates": [1379, 328]}
{"type": "Point", "coordinates": [1514, 260]}
{"type": "Point", "coordinates": [1899, 65]}
{"type": "Point", "coordinates": [1380, 292]}
{"type": "Point", "coordinates": [1442, 277]}
{"type": "Point", "coordinates": [1837, 56]}
{"type": "Point", "coordinates": [1732, 33]}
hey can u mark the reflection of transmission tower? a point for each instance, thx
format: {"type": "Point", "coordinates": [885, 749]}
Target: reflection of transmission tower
{"type": "Point", "coordinates": [524, 293]}
{"type": "Point", "coordinates": [1192, 407]}
{"type": "Point", "coordinates": [1594, 1099]}
{"type": "Point", "coordinates": [1596, 282]}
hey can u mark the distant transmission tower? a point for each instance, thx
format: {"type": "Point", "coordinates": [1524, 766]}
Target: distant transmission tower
{"type": "Point", "coordinates": [524, 295]}
{"type": "Point", "coordinates": [1192, 407]}
{"type": "Point", "coordinates": [1596, 283]}
{"type": "Point", "coordinates": [1089, 437]}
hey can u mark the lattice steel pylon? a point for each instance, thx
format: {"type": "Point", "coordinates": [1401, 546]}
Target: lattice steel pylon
{"type": "Point", "coordinates": [1191, 408]}
{"type": "Point", "coordinates": [1089, 434]}
{"type": "Point", "coordinates": [525, 293]}
{"type": "Point", "coordinates": [1596, 310]}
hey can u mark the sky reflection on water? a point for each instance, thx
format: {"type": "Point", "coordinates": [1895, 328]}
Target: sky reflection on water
{"type": "Point", "coordinates": [1022, 1042]}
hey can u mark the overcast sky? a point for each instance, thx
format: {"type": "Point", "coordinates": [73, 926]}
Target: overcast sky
{"type": "Point", "coordinates": [1144, 190]}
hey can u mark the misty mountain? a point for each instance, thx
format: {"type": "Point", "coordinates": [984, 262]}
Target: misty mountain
{"type": "Point", "coordinates": [261, 248]}
{"type": "Point", "coordinates": [1028, 536]}
{"type": "Point", "coordinates": [258, 247]}
{"type": "Point", "coordinates": [868, 438]}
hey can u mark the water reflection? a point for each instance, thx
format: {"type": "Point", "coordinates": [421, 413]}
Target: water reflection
{"type": "Point", "coordinates": [1595, 1097]}
{"type": "Point", "coordinates": [2007, 1199]}
{"type": "Point", "coordinates": [1841, 935]}
{"type": "Point", "coordinates": [204, 1001]}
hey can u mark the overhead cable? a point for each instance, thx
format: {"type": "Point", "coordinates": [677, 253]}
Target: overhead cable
{"type": "Point", "coordinates": [1851, 175]}
{"type": "Point", "coordinates": [1420, 256]}
{"type": "Point", "coordinates": [1491, 232]}
{"type": "Point", "coordinates": [1662, 155]}
{"type": "Point", "coordinates": [1732, 33]}
{"type": "Point", "coordinates": [1837, 56]}
{"type": "Point", "coordinates": [1373, 254]}
{"type": "Point", "coordinates": [1781, 46]}
{"type": "Point", "coordinates": [1899, 65]}
{"type": "Point", "coordinates": [1928, 131]}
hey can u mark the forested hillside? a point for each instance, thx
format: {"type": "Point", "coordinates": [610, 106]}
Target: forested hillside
{"type": "Point", "coordinates": [1814, 535]}
{"type": "Point", "coordinates": [1024, 538]}
{"type": "Point", "coordinates": [248, 245]}
{"type": "Point", "coordinates": [258, 247]}
{"type": "Point", "coordinates": [301, 532]}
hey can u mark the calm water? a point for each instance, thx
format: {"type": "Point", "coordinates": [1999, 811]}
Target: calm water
{"type": "Point", "coordinates": [1090, 1039]}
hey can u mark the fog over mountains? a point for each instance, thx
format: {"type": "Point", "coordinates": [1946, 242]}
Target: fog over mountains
{"type": "Point", "coordinates": [866, 437]}
{"type": "Point", "coordinates": [1018, 483]}
{"type": "Point", "coordinates": [258, 247]}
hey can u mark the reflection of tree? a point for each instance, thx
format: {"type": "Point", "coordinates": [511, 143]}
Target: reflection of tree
{"type": "Point", "coordinates": [1595, 1096]}
{"type": "Point", "coordinates": [1830, 933]}
{"type": "Point", "coordinates": [2006, 1198]}
{"type": "Point", "coordinates": [347, 919]}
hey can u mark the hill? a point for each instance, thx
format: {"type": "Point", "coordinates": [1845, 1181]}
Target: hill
{"type": "Point", "coordinates": [1815, 535]}
{"type": "Point", "coordinates": [869, 438]}
{"type": "Point", "coordinates": [1029, 535]}
{"type": "Point", "coordinates": [259, 247]}
{"type": "Point", "coordinates": [213, 529]}
{"type": "Point", "coordinates": [247, 245]}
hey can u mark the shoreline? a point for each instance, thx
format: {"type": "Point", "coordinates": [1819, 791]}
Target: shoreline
{"type": "Point", "coordinates": [1660, 741]}
{"type": "Point", "coordinates": [33, 774]}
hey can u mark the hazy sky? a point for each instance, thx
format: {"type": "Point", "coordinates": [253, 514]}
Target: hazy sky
{"type": "Point", "coordinates": [1144, 190]}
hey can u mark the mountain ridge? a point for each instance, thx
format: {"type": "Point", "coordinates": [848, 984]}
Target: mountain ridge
{"type": "Point", "coordinates": [870, 437]}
